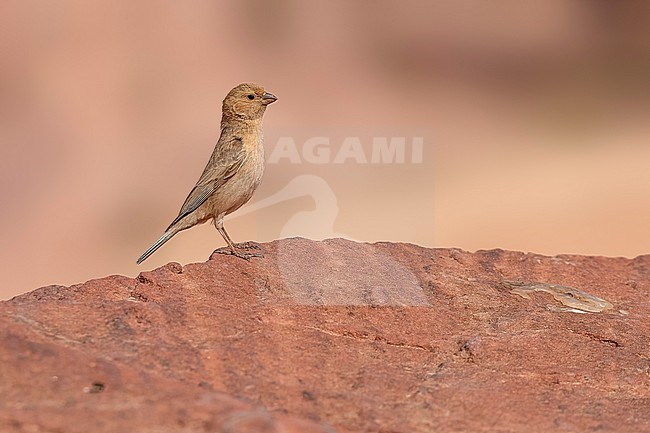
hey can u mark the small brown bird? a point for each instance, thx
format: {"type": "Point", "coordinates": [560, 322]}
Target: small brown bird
{"type": "Point", "coordinates": [233, 172]}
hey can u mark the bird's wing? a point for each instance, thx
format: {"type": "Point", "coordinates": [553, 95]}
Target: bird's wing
{"type": "Point", "coordinates": [225, 161]}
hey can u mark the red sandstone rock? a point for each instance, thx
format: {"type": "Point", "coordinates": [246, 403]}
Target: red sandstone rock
{"type": "Point", "coordinates": [333, 336]}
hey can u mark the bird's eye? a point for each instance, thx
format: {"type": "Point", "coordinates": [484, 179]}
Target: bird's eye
{"type": "Point", "coordinates": [251, 97]}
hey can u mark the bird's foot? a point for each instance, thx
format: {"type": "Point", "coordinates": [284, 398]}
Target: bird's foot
{"type": "Point", "coordinates": [241, 254]}
{"type": "Point", "coordinates": [249, 245]}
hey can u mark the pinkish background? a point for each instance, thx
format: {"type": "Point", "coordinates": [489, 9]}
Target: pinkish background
{"type": "Point", "coordinates": [534, 117]}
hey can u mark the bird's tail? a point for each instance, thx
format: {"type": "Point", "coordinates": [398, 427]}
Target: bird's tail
{"type": "Point", "coordinates": [159, 243]}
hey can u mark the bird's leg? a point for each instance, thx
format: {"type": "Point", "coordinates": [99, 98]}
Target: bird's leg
{"type": "Point", "coordinates": [248, 245]}
{"type": "Point", "coordinates": [232, 247]}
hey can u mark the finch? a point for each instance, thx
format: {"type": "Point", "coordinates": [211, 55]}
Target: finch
{"type": "Point", "coordinates": [233, 172]}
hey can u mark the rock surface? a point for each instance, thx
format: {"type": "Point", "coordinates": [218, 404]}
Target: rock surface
{"type": "Point", "coordinates": [333, 336]}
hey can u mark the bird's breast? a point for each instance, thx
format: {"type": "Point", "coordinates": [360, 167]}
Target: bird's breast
{"type": "Point", "coordinates": [254, 164]}
{"type": "Point", "coordinates": [241, 186]}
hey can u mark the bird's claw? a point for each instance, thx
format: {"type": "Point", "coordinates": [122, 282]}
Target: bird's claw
{"type": "Point", "coordinates": [241, 254]}
{"type": "Point", "coordinates": [248, 245]}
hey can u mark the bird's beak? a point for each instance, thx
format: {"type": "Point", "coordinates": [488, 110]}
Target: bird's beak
{"type": "Point", "coordinates": [268, 98]}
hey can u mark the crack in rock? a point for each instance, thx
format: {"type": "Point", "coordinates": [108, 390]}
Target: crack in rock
{"type": "Point", "coordinates": [366, 337]}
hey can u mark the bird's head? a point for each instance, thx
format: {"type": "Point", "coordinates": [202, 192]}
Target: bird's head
{"type": "Point", "coordinates": [247, 101]}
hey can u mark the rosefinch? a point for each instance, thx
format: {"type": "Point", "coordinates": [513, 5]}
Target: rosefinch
{"type": "Point", "coordinates": [233, 172]}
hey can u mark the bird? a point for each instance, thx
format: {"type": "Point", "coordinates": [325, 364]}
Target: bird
{"type": "Point", "coordinates": [233, 172]}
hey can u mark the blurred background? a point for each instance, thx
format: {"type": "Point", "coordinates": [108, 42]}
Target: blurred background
{"type": "Point", "coordinates": [533, 118]}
